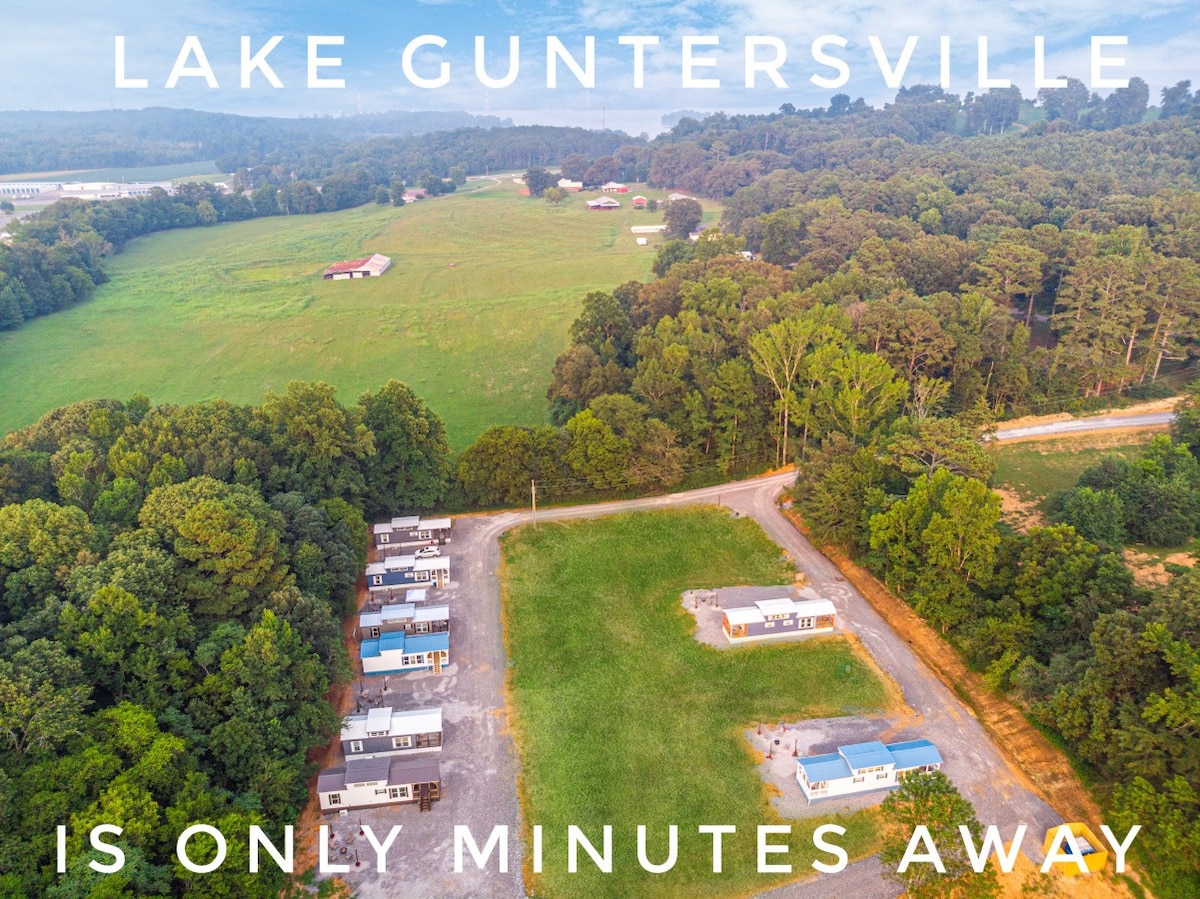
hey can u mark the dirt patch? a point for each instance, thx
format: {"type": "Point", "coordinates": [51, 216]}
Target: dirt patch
{"type": "Point", "coordinates": [1027, 880]}
{"type": "Point", "coordinates": [1151, 571]}
{"type": "Point", "coordinates": [1019, 514]}
{"type": "Point", "coordinates": [1029, 755]}
{"type": "Point", "coordinates": [1027, 421]}
{"type": "Point", "coordinates": [1091, 439]}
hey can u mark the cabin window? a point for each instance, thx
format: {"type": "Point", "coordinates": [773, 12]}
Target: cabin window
{"type": "Point", "coordinates": [424, 535]}
{"type": "Point", "coordinates": [377, 580]}
{"type": "Point", "coordinates": [806, 622]}
{"type": "Point", "coordinates": [398, 793]}
{"type": "Point", "coordinates": [881, 776]}
{"type": "Point", "coordinates": [356, 745]}
{"type": "Point", "coordinates": [769, 624]}
{"type": "Point", "coordinates": [420, 575]}
{"type": "Point", "coordinates": [335, 798]}
{"type": "Point", "coordinates": [385, 538]}
{"type": "Point", "coordinates": [407, 660]}
{"type": "Point", "coordinates": [859, 780]}
{"type": "Point", "coordinates": [377, 733]}
{"type": "Point", "coordinates": [374, 632]}
{"type": "Point", "coordinates": [401, 742]}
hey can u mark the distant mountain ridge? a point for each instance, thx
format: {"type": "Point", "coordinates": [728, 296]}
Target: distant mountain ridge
{"type": "Point", "coordinates": [38, 140]}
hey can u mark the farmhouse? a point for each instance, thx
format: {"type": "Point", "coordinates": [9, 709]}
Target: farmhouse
{"type": "Point", "coordinates": [397, 652]}
{"type": "Point", "coordinates": [612, 187]}
{"type": "Point", "coordinates": [397, 574]}
{"type": "Point", "coordinates": [386, 732]}
{"type": "Point", "coordinates": [406, 617]}
{"type": "Point", "coordinates": [370, 267]}
{"type": "Point", "coordinates": [782, 617]}
{"type": "Point", "coordinates": [603, 203]}
{"type": "Point", "coordinates": [361, 783]}
{"type": "Point", "coordinates": [863, 767]}
{"type": "Point", "coordinates": [410, 530]}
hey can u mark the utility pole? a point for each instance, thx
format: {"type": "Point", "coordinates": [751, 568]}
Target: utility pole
{"type": "Point", "coordinates": [533, 499]}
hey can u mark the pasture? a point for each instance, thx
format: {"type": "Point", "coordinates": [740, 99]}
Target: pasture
{"type": "Point", "coordinates": [475, 309]}
{"type": "Point", "coordinates": [622, 718]}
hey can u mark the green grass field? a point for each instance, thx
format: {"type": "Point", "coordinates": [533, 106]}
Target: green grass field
{"type": "Point", "coordinates": [476, 307]}
{"type": "Point", "coordinates": [622, 718]}
{"type": "Point", "coordinates": [1037, 468]}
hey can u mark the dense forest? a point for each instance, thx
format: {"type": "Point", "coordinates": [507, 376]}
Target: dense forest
{"type": "Point", "coordinates": [172, 584]}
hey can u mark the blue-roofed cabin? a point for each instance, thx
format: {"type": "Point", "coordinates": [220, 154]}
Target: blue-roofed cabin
{"type": "Point", "coordinates": [863, 767]}
{"type": "Point", "coordinates": [398, 652]}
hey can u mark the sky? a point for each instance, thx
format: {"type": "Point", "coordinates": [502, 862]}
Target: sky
{"type": "Point", "coordinates": [61, 54]}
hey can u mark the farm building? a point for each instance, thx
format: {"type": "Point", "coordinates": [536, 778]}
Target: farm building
{"type": "Point", "coordinates": [398, 652]}
{"type": "Point", "coordinates": [603, 203]}
{"type": "Point", "coordinates": [642, 241]}
{"type": "Point", "coordinates": [674, 197]}
{"type": "Point", "coordinates": [782, 617]}
{"type": "Point", "coordinates": [612, 187]}
{"type": "Point", "coordinates": [406, 617]}
{"type": "Point", "coordinates": [863, 767]}
{"type": "Point", "coordinates": [410, 530]}
{"type": "Point", "coordinates": [640, 202]}
{"type": "Point", "coordinates": [385, 732]}
{"type": "Point", "coordinates": [361, 783]}
{"type": "Point", "coordinates": [397, 574]}
{"type": "Point", "coordinates": [649, 229]}
{"type": "Point", "coordinates": [569, 185]}
{"type": "Point", "coordinates": [370, 267]}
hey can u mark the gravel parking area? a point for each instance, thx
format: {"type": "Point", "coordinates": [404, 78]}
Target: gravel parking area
{"type": "Point", "coordinates": [478, 759]}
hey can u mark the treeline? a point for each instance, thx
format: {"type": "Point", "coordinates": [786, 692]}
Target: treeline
{"type": "Point", "coordinates": [1050, 617]}
{"type": "Point", "coordinates": [172, 583]}
{"type": "Point", "coordinates": [122, 138]}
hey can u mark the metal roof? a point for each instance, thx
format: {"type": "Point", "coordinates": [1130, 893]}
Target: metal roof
{"type": "Point", "coordinates": [432, 613]}
{"type": "Point", "coordinates": [866, 755]}
{"type": "Point", "coordinates": [360, 771]}
{"type": "Point", "coordinates": [914, 753]}
{"type": "Point", "coordinates": [397, 611]}
{"type": "Point", "coordinates": [417, 721]}
{"type": "Point", "coordinates": [414, 771]}
{"type": "Point", "coordinates": [435, 524]}
{"type": "Point", "coordinates": [427, 642]}
{"type": "Point", "coordinates": [830, 766]}
{"type": "Point", "coordinates": [782, 606]}
{"type": "Point", "coordinates": [405, 522]}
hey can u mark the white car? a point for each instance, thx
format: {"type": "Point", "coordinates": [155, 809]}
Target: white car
{"type": "Point", "coordinates": [427, 552]}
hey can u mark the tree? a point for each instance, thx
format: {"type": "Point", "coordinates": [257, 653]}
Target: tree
{"type": "Point", "coordinates": [554, 195]}
{"type": "Point", "coordinates": [683, 217]}
{"type": "Point", "coordinates": [777, 353]}
{"type": "Point", "coordinates": [929, 799]}
{"type": "Point", "coordinates": [537, 179]}
{"type": "Point", "coordinates": [410, 468]}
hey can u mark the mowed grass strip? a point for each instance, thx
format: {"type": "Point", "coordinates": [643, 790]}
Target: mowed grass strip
{"type": "Point", "coordinates": [1037, 468]}
{"type": "Point", "coordinates": [475, 309]}
{"type": "Point", "coordinates": [622, 718]}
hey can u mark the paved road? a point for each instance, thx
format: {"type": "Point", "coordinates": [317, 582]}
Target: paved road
{"type": "Point", "coordinates": [479, 760]}
{"type": "Point", "coordinates": [1097, 423]}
